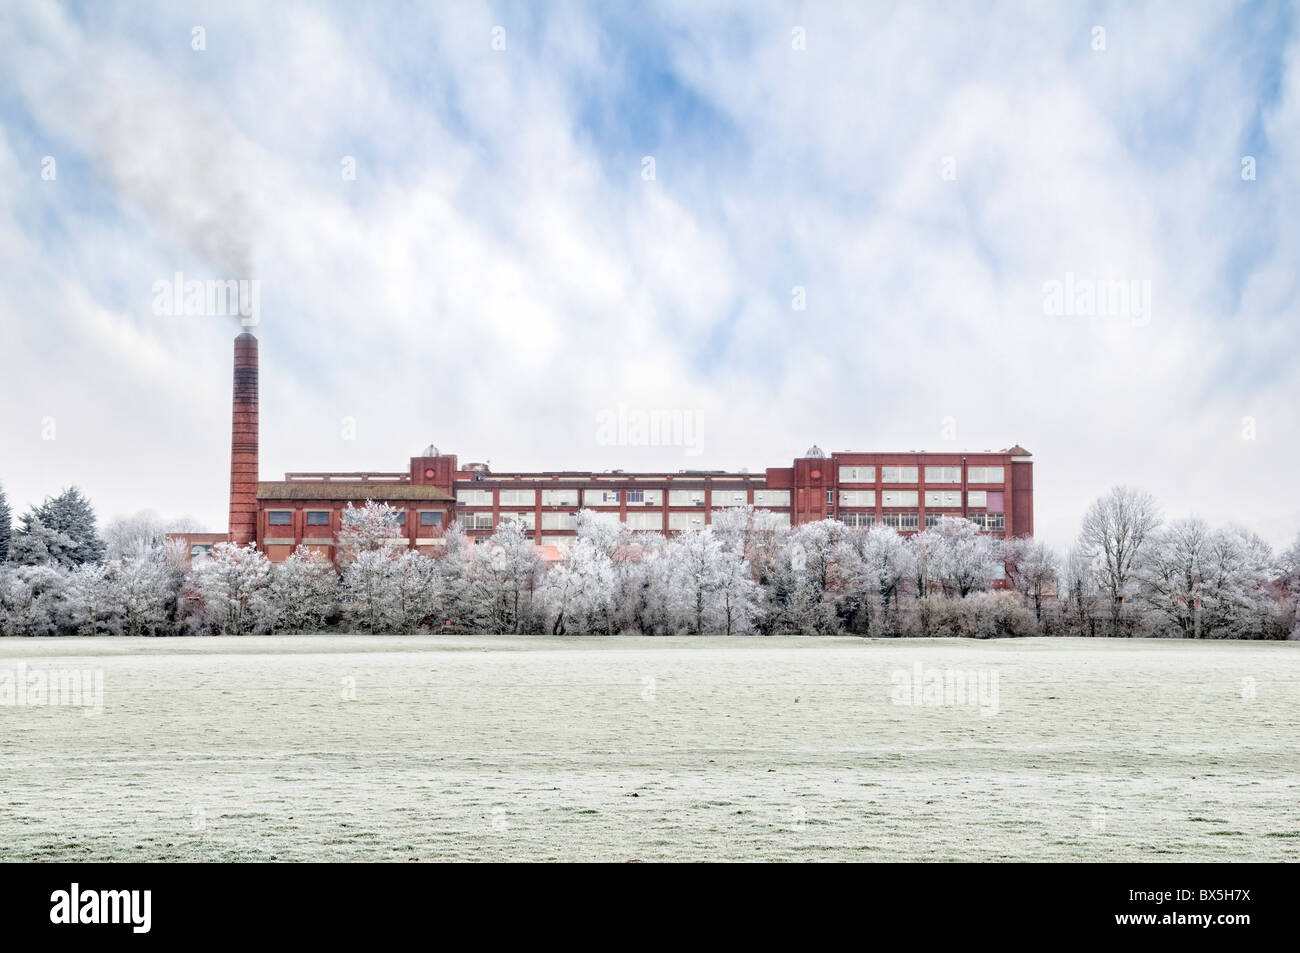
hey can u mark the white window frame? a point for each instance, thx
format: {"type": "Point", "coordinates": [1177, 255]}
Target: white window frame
{"type": "Point", "coordinates": [985, 475]}
{"type": "Point", "coordinates": [898, 475]}
{"type": "Point", "coordinates": [857, 474]}
{"type": "Point", "coordinates": [943, 474]}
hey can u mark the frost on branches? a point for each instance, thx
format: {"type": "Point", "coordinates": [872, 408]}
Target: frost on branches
{"type": "Point", "coordinates": [745, 573]}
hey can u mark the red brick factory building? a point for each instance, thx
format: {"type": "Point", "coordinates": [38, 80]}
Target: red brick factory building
{"type": "Point", "coordinates": [908, 491]}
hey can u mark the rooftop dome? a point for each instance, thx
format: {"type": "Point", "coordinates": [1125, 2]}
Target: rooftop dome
{"type": "Point", "coordinates": [814, 451]}
{"type": "Point", "coordinates": [430, 451]}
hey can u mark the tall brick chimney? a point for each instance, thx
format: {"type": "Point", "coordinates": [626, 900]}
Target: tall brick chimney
{"type": "Point", "coordinates": [243, 443]}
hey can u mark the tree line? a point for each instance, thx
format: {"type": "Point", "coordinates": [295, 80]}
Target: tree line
{"type": "Point", "coordinates": [1128, 574]}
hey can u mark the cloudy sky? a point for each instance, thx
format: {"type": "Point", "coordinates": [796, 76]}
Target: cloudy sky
{"type": "Point", "coordinates": [559, 210]}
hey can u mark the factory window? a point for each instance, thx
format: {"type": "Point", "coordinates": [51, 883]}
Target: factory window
{"type": "Point", "coordinates": [474, 497]}
{"type": "Point", "coordinates": [685, 497]}
{"type": "Point", "coordinates": [430, 518]}
{"type": "Point", "coordinates": [563, 541]}
{"type": "Point", "coordinates": [518, 497]}
{"type": "Point", "coordinates": [559, 521]}
{"type": "Point", "coordinates": [861, 520]}
{"type": "Point", "coordinates": [280, 517]}
{"type": "Point", "coordinates": [397, 518]}
{"type": "Point", "coordinates": [318, 517]}
{"type": "Point", "coordinates": [900, 520]}
{"type": "Point", "coordinates": [722, 498]}
{"type": "Point", "coordinates": [984, 475]}
{"type": "Point", "coordinates": [830, 497]}
{"type": "Point", "coordinates": [645, 520]}
{"type": "Point", "coordinates": [685, 521]}
{"type": "Point", "coordinates": [857, 497]}
{"type": "Point", "coordinates": [943, 474]}
{"type": "Point", "coordinates": [476, 520]}
{"type": "Point", "coordinates": [898, 498]}
{"type": "Point", "coordinates": [200, 551]}
{"type": "Point", "coordinates": [645, 497]}
{"type": "Point", "coordinates": [977, 497]}
{"type": "Point", "coordinates": [898, 474]}
{"type": "Point", "coordinates": [559, 497]}
{"type": "Point", "coordinates": [857, 474]}
{"type": "Point", "coordinates": [771, 497]}
{"type": "Point", "coordinates": [527, 520]}
{"type": "Point", "coordinates": [600, 497]}
{"type": "Point", "coordinates": [988, 520]}
{"type": "Point", "coordinates": [942, 497]}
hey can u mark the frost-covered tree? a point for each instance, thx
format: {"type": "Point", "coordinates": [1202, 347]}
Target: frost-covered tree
{"type": "Point", "coordinates": [61, 530]}
{"type": "Point", "coordinates": [368, 589]}
{"type": "Point", "coordinates": [507, 567]}
{"type": "Point", "coordinates": [965, 557]}
{"type": "Point", "coordinates": [304, 591]}
{"type": "Point", "coordinates": [1198, 582]}
{"type": "Point", "coordinates": [804, 593]}
{"type": "Point", "coordinates": [738, 597]}
{"type": "Point", "coordinates": [1080, 588]}
{"type": "Point", "coordinates": [366, 528]}
{"type": "Point", "coordinates": [875, 563]}
{"type": "Point", "coordinates": [1239, 604]}
{"type": "Point", "coordinates": [1033, 569]}
{"type": "Point", "coordinates": [924, 550]}
{"type": "Point", "coordinates": [1289, 565]}
{"type": "Point", "coordinates": [1115, 529]}
{"type": "Point", "coordinates": [710, 589]}
{"type": "Point", "coordinates": [6, 525]}
{"type": "Point", "coordinates": [234, 587]}
{"type": "Point", "coordinates": [38, 545]}
{"type": "Point", "coordinates": [141, 594]}
{"type": "Point", "coordinates": [142, 532]}
{"type": "Point", "coordinates": [1172, 576]}
{"type": "Point", "coordinates": [577, 592]}
{"type": "Point", "coordinates": [36, 600]}
{"type": "Point", "coordinates": [458, 607]}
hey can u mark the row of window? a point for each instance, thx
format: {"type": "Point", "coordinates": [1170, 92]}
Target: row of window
{"type": "Point", "coordinates": [937, 498]}
{"type": "Point", "coordinates": [989, 521]}
{"type": "Point", "coordinates": [322, 518]}
{"type": "Point", "coordinates": [932, 474]}
{"type": "Point", "coordinates": [603, 497]}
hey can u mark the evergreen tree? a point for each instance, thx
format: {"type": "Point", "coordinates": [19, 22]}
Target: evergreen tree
{"type": "Point", "coordinates": [61, 530]}
{"type": "Point", "coordinates": [6, 526]}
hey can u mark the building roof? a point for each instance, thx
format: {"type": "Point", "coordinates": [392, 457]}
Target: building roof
{"type": "Point", "coordinates": [332, 490]}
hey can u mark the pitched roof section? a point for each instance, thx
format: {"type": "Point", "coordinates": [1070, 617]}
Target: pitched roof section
{"type": "Point", "coordinates": [359, 492]}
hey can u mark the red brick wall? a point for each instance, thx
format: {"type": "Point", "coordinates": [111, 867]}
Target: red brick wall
{"type": "Point", "coordinates": [243, 443]}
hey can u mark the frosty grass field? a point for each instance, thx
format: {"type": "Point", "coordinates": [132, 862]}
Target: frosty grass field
{"type": "Point", "coordinates": [512, 748]}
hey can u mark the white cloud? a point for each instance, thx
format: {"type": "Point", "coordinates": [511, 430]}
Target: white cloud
{"type": "Point", "coordinates": [499, 273]}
